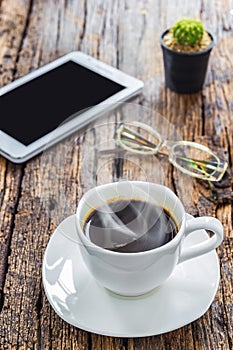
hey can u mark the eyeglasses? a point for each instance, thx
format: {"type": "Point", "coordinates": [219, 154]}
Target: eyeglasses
{"type": "Point", "coordinates": [189, 157]}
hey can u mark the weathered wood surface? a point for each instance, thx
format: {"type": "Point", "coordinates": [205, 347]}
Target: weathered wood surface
{"type": "Point", "coordinates": [124, 34]}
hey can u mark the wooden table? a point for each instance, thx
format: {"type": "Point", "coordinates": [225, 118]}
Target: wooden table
{"type": "Point", "coordinates": [123, 34]}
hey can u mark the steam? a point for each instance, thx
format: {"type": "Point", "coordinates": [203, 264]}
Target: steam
{"type": "Point", "coordinates": [112, 232]}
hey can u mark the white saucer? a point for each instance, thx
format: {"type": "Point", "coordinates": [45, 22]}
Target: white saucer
{"type": "Point", "coordinates": [79, 300]}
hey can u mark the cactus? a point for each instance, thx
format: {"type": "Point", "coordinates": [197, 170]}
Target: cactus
{"type": "Point", "coordinates": [188, 31]}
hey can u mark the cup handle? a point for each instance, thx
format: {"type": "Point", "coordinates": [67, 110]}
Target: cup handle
{"type": "Point", "coordinates": [206, 223]}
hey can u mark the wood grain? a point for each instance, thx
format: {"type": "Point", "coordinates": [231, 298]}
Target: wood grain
{"type": "Point", "coordinates": [37, 195]}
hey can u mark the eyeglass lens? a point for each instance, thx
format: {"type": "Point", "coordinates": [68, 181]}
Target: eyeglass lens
{"type": "Point", "coordinates": [200, 162]}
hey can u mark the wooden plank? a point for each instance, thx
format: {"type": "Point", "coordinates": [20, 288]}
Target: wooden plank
{"type": "Point", "coordinates": [10, 183]}
{"type": "Point", "coordinates": [13, 21]}
{"type": "Point", "coordinates": [27, 321]}
{"type": "Point", "coordinates": [218, 126]}
{"type": "Point", "coordinates": [13, 26]}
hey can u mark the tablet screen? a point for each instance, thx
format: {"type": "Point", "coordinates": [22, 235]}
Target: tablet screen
{"type": "Point", "coordinates": [39, 106]}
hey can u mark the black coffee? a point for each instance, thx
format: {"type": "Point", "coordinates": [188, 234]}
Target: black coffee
{"type": "Point", "coordinates": [130, 226]}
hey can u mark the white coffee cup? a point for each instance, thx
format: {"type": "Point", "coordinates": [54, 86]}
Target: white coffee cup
{"type": "Point", "coordinates": [132, 274]}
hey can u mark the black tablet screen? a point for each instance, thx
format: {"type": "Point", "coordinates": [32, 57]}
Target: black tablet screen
{"type": "Point", "coordinates": [39, 106]}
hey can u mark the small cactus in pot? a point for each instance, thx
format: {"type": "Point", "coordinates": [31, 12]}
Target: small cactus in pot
{"type": "Point", "coordinates": [188, 31]}
{"type": "Point", "coordinates": [186, 48]}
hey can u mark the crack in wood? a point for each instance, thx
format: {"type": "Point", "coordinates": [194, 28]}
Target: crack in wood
{"type": "Point", "coordinates": [8, 243]}
{"type": "Point", "coordinates": [3, 190]}
{"type": "Point", "coordinates": [25, 30]}
{"type": "Point", "coordinates": [82, 34]}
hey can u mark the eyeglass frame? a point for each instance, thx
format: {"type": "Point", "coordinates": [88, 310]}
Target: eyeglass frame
{"type": "Point", "coordinates": [170, 145]}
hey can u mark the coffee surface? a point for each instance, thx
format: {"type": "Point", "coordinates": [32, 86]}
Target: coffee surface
{"type": "Point", "coordinates": [130, 226]}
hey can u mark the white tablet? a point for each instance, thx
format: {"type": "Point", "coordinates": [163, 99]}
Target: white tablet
{"type": "Point", "coordinates": [32, 107]}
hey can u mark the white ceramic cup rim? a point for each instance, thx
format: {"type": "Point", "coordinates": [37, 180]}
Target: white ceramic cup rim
{"type": "Point", "coordinates": [167, 246]}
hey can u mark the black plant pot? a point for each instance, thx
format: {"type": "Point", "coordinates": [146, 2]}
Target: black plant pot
{"type": "Point", "coordinates": [185, 72]}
